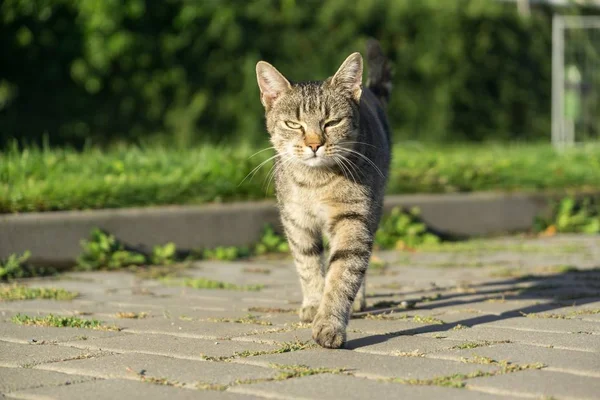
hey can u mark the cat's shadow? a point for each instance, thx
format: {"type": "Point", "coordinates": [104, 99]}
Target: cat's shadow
{"type": "Point", "coordinates": [563, 290]}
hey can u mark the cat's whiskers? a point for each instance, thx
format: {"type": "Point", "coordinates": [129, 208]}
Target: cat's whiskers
{"type": "Point", "coordinates": [351, 164]}
{"type": "Point", "coordinates": [339, 164]}
{"type": "Point", "coordinates": [366, 144]}
{"type": "Point", "coordinates": [255, 170]}
{"type": "Point", "coordinates": [277, 164]}
{"type": "Point", "coordinates": [260, 151]}
{"type": "Point", "coordinates": [367, 159]}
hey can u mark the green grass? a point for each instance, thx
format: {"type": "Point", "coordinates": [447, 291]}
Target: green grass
{"type": "Point", "coordinates": [203, 283]}
{"type": "Point", "coordinates": [17, 292]}
{"type": "Point", "coordinates": [61, 322]}
{"type": "Point", "coordinates": [61, 179]}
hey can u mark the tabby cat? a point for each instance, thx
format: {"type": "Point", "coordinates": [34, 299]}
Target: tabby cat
{"type": "Point", "coordinates": [333, 153]}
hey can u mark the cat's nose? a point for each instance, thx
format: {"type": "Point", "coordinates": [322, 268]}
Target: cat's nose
{"type": "Point", "coordinates": [314, 146]}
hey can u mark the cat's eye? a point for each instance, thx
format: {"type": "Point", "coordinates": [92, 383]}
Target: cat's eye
{"type": "Point", "coordinates": [332, 123]}
{"type": "Point", "coordinates": [293, 125]}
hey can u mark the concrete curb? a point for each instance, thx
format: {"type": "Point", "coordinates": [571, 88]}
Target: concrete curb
{"type": "Point", "coordinates": [55, 236]}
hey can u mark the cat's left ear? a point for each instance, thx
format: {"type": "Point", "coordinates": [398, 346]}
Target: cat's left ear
{"type": "Point", "coordinates": [271, 83]}
{"type": "Point", "coordinates": [349, 76]}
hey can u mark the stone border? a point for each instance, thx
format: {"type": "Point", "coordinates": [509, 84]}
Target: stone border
{"type": "Point", "coordinates": [55, 236]}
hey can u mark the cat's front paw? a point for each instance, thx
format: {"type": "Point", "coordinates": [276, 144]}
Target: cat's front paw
{"type": "Point", "coordinates": [329, 332]}
{"type": "Point", "coordinates": [307, 313]}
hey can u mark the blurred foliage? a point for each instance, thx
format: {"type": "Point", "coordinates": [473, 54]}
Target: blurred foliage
{"type": "Point", "coordinates": [17, 267]}
{"type": "Point", "coordinates": [103, 251]}
{"type": "Point", "coordinates": [403, 229]}
{"type": "Point", "coordinates": [271, 242]}
{"type": "Point", "coordinates": [183, 72]}
{"type": "Point", "coordinates": [43, 179]}
{"type": "Point", "coordinates": [571, 215]}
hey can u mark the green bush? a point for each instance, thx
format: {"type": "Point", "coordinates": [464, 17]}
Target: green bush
{"type": "Point", "coordinates": [130, 70]}
{"type": "Point", "coordinates": [572, 216]}
{"type": "Point", "coordinates": [60, 179]}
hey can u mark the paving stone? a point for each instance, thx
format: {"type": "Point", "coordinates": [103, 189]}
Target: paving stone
{"type": "Point", "coordinates": [392, 345]}
{"type": "Point", "coordinates": [368, 365]}
{"type": "Point", "coordinates": [26, 334]}
{"type": "Point", "coordinates": [187, 372]}
{"type": "Point", "coordinates": [122, 389]}
{"type": "Point", "coordinates": [336, 387]}
{"type": "Point", "coordinates": [539, 384]}
{"type": "Point", "coordinates": [565, 341]}
{"type": "Point", "coordinates": [294, 335]}
{"type": "Point", "coordinates": [13, 379]}
{"type": "Point", "coordinates": [575, 362]}
{"type": "Point", "coordinates": [193, 329]}
{"type": "Point", "coordinates": [20, 355]}
{"type": "Point", "coordinates": [47, 306]}
{"type": "Point", "coordinates": [545, 325]}
{"type": "Point", "coordinates": [170, 346]}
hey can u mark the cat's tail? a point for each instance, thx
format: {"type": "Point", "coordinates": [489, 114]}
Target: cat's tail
{"type": "Point", "coordinates": [379, 78]}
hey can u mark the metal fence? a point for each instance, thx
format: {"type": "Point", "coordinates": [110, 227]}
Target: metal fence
{"type": "Point", "coordinates": [575, 80]}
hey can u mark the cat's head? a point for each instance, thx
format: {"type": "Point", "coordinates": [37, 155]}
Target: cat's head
{"type": "Point", "coordinates": [313, 123]}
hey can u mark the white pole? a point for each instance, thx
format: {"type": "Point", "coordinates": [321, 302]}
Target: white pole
{"type": "Point", "coordinates": [558, 81]}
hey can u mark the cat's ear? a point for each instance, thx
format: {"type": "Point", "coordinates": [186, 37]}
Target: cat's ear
{"type": "Point", "coordinates": [271, 83]}
{"type": "Point", "coordinates": [349, 76]}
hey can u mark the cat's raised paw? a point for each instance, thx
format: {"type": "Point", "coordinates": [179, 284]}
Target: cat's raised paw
{"type": "Point", "coordinates": [329, 332]}
{"type": "Point", "coordinates": [307, 313]}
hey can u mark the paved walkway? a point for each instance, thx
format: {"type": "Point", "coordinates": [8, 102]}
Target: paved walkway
{"type": "Point", "coordinates": [511, 318]}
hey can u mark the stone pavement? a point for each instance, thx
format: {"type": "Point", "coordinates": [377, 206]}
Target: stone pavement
{"type": "Point", "coordinates": [506, 318]}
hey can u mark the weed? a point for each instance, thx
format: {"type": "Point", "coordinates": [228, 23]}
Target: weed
{"type": "Point", "coordinates": [203, 283]}
{"type": "Point", "coordinates": [419, 319]}
{"type": "Point", "coordinates": [131, 315]}
{"type": "Point", "coordinates": [478, 360]}
{"type": "Point", "coordinates": [103, 251]}
{"type": "Point", "coordinates": [572, 216]}
{"type": "Point", "coordinates": [211, 386]}
{"type": "Point", "coordinates": [271, 242]}
{"type": "Point", "coordinates": [287, 347]}
{"type": "Point", "coordinates": [273, 310]}
{"type": "Point", "coordinates": [61, 322]}
{"type": "Point", "coordinates": [249, 319]}
{"type": "Point", "coordinates": [226, 253]}
{"type": "Point", "coordinates": [159, 271]}
{"type": "Point", "coordinates": [458, 380]}
{"type": "Point", "coordinates": [474, 345]}
{"type": "Point", "coordinates": [414, 353]}
{"type": "Point", "coordinates": [570, 315]}
{"type": "Point", "coordinates": [17, 292]}
{"type": "Point", "coordinates": [16, 267]}
{"type": "Point", "coordinates": [164, 255]}
{"type": "Point", "coordinates": [257, 270]}
{"type": "Point", "coordinates": [298, 371]}
{"type": "Point", "coordinates": [403, 229]}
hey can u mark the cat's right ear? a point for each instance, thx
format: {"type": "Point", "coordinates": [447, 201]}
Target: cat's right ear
{"type": "Point", "coordinates": [271, 83]}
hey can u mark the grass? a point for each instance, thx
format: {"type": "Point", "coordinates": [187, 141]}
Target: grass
{"type": "Point", "coordinates": [459, 380]}
{"type": "Point", "coordinates": [286, 347]}
{"type": "Point", "coordinates": [61, 322]}
{"type": "Point", "coordinates": [419, 319]}
{"type": "Point", "coordinates": [131, 315]}
{"type": "Point", "coordinates": [34, 179]}
{"type": "Point", "coordinates": [18, 292]}
{"type": "Point", "coordinates": [248, 319]}
{"type": "Point", "coordinates": [273, 310]}
{"type": "Point", "coordinates": [203, 283]}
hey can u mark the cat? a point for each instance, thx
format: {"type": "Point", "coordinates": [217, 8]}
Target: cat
{"type": "Point", "coordinates": [332, 141]}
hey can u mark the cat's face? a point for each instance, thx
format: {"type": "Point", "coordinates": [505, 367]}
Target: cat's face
{"type": "Point", "coordinates": [313, 123]}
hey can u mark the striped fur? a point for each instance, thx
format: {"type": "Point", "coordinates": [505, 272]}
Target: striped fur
{"type": "Point", "coordinates": [333, 149]}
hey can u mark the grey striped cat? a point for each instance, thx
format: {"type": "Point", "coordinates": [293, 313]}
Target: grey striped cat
{"type": "Point", "coordinates": [333, 152]}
